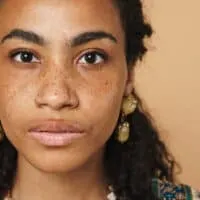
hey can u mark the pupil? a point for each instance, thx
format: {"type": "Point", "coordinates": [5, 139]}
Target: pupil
{"type": "Point", "coordinates": [26, 57]}
{"type": "Point", "coordinates": [91, 57]}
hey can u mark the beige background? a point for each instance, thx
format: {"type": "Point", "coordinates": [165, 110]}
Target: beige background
{"type": "Point", "coordinates": [169, 80]}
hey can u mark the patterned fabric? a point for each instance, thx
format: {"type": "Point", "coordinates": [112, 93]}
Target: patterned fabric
{"type": "Point", "coordinates": [168, 191]}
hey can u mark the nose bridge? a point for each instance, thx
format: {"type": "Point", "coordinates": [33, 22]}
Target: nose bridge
{"type": "Point", "coordinates": [55, 89]}
{"type": "Point", "coordinates": [54, 82]}
{"type": "Point", "coordinates": [55, 77]}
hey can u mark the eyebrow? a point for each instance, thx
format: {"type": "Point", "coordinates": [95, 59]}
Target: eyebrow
{"type": "Point", "coordinates": [28, 36]}
{"type": "Point", "coordinates": [80, 39]}
{"type": "Point", "coordinates": [90, 36]}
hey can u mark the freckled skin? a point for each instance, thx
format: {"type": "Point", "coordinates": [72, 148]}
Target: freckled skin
{"type": "Point", "coordinates": [59, 87]}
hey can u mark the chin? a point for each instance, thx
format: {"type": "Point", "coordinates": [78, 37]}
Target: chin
{"type": "Point", "coordinates": [69, 158]}
{"type": "Point", "coordinates": [52, 161]}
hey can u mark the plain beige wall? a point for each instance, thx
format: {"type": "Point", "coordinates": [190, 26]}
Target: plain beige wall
{"type": "Point", "coordinates": [168, 80]}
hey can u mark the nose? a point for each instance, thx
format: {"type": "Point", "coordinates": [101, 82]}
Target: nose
{"type": "Point", "coordinates": [55, 92]}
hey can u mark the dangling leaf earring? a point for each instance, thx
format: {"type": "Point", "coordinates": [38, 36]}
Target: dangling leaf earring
{"type": "Point", "coordinates": [129, 105]}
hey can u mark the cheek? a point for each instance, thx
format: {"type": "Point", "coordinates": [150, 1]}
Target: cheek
{"type": "Point", "coordinates": [102, 105]}
{"type": "Point", "coordinates": [14, 104]}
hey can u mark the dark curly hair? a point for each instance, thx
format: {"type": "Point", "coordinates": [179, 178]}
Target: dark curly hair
{"type": "Point", "coordinates": [130, 167]}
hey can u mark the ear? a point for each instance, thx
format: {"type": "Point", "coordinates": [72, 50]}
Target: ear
{"type": "Point", "coordinates": [129, 82]}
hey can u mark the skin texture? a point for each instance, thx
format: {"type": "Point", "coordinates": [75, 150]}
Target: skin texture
{"type": "Point", "coordinates": [58, 85]}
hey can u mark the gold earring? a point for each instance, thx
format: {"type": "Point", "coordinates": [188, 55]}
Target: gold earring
{"type": "Point", "coordinates": [129, 105]}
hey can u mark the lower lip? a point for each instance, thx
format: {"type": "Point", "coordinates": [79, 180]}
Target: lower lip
{"type": "Point", "coordinates": [55, 139]}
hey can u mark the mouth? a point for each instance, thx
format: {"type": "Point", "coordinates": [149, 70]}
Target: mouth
{"type": "Point", "coordinates": [56, 132]}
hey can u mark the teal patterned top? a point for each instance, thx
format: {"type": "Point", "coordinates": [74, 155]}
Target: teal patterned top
{"type": "Point", "coordinates": [167, 191]}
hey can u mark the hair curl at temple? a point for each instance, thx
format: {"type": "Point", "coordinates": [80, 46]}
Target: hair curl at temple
{"type": "Point", "coordinates": [130, 167]}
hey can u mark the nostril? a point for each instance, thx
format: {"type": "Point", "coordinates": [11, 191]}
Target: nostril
{"type": "Point", "coordinates": [56, 98]}
{"type": "Point", "coordinates": [56, 101]}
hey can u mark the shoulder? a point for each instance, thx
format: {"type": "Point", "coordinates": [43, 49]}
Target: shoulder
{"type": "Point", "coordinates": [165, 190]}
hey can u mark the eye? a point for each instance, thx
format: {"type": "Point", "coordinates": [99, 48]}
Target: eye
{"type": "Point", "coordinates": [24, 57]}
{"type": "Point", "coordinates": [92, 58]}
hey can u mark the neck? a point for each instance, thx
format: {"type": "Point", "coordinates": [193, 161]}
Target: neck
{"type": "Point", "coordinates": [85, 183]}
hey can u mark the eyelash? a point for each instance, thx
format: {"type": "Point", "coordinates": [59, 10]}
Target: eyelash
{"type": "Point", "coordinates": [13, 56]}
{"type": "Point", "coordinates": [98, 55]}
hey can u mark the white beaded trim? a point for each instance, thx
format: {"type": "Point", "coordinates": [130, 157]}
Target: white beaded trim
{"type": "Point", "coordinates": [111, 196]}
{"type": "Point", "coordinates": [195, 194]}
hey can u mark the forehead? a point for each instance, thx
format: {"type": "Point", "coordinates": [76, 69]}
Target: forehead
{"type": "Point", "coordinates": [55, 16]}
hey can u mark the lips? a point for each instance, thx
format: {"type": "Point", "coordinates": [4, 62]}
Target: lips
{"type": "Point", "coordinates": [56, 132]}
{"type": "Point", "coordinates": [56, 126]}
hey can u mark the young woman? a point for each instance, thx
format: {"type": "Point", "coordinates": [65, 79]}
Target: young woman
{"type": "Point", "coordinates": [71, 127]}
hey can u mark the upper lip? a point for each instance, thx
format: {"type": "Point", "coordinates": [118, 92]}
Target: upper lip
{"type": "Point", "coordinates": [56, 126]}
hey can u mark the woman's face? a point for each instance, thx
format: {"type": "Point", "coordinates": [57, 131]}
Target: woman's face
{"type": "Point", "coordinates": [62, 63]}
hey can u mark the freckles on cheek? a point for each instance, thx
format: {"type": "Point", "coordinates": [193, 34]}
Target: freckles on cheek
{"type": "Point", "coordinates": [106, 94]}
{"type": "Point", "coordinates": [8, 100]}
{"type": "Point", "coordinates": [7, 111]}
{"type": "Point", "coordinates": [104, 89]}
{"type": "Point", "coordinates": [14, 100]}
{"type": "Point", "coordinates": [111, 89]}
